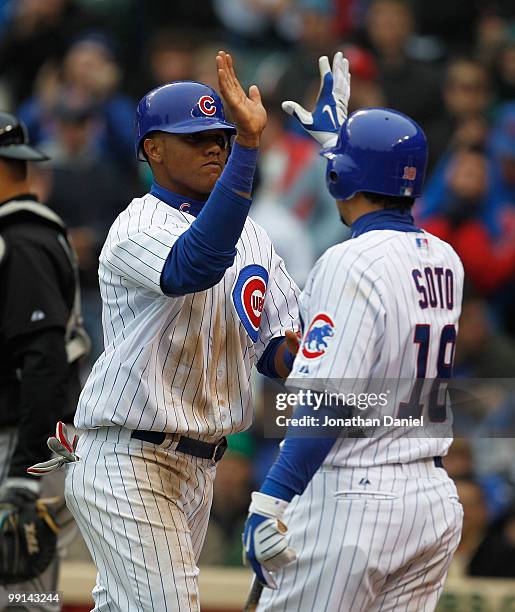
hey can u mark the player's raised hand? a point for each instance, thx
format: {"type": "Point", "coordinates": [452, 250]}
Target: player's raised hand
{"type": "Point", "coordinates": [331, 106]}
{"type": "Point", "coordinates": [247, 111]}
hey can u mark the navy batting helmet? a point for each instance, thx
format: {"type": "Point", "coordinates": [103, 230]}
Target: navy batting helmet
{"type": "Point", "coordinates": [378, 150]}
{"type": "Point", "coordinates": [14, 141]}
{"type": "Point", "coordinates": [182, 107]}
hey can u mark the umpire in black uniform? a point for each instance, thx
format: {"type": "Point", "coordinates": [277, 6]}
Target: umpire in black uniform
{"type": "Point", "coordinates": [41, 336]}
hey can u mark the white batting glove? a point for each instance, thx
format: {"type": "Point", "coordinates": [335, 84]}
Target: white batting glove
{"type": "Point", "coordinates": [62, 447]}
{"type": "Point", "coordinates": [265, 547]}
{"type": "Point", "coordinates": [332, 102]}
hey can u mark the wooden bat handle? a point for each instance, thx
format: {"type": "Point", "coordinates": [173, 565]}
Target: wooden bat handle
{"type": "Point", "coordinates": [253, 597]}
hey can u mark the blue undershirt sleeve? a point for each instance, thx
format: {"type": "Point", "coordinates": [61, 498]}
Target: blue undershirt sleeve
{"type": "Point", "coordinates": [302, 455]}
{"type": "Point", "coordinates": [266, 363]}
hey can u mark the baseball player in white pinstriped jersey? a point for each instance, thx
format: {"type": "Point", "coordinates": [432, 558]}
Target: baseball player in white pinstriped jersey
{"type": "Point", "coordinates": [372, 521]}
{"type": "Point", "coordinates": [194, 296]}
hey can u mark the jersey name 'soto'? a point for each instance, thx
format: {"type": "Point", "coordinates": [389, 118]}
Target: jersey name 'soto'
{"type": "Point", "coordinates": [381, 310]}
{"type": "Point", "coordinates": [191, 371]}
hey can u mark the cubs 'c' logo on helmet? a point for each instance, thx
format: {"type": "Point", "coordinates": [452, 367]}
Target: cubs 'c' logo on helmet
{"type": "Point", "coordinates": [248, 296]}
{"type": "Point", "coordinates": [315, 344]}
{"type": "Point", "coordinates": [207, 105]}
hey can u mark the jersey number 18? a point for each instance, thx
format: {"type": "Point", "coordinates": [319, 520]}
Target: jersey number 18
{"type": "Point", "coordinates": [438, 392]}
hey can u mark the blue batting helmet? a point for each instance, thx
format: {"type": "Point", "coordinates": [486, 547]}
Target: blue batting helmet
{"type": "Point", "coordinates": [378, 150]}
{"type": "Point", "coordinates": [182, 107]}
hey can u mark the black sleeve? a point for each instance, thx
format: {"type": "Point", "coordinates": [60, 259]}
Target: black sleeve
{"type": "Point", "coordinates": [43, 367]}
{"type": "Point", "coordinates": [33, 299]}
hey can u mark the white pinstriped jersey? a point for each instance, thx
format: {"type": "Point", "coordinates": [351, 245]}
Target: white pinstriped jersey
{"type": "Point", "coordinates": [181, 364]}
{"type": "Point", "coordinates": [382, 308]}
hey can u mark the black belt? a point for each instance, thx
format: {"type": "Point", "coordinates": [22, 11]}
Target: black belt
{"type": "Point", "coordinates": [189, 446]}
{"type": "Point", "coordinates": [438, 462]}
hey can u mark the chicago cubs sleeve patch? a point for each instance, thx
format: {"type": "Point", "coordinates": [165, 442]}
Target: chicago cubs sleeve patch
{"type": "Point", "coordinates": [248, 296]}
{"type": "Point", "coordinates": [318, 335]}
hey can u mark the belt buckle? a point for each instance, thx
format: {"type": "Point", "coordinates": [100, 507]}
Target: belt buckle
{"type": "Point", "coordinates": [222, 445]}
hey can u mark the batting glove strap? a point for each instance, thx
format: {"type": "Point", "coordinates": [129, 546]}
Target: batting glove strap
{"type": "Point", "coordinates": [332, 103]}
{"type": "Point", "coordinates": [266, 505]}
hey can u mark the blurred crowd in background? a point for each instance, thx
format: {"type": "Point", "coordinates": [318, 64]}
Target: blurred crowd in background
{"type": "Point", "coordinates": [74, 70]}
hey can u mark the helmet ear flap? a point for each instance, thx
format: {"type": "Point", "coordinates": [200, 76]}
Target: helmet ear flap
{"type": "Point", "coordinates": [342, 176]}
{"type": "Point", "coordinates": [332, 176]}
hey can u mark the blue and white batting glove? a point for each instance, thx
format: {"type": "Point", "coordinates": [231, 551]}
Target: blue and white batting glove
{"type": "Point", "coordinates": [265, 547]}
{"type": "Point", "coordinates": [62, 447]}
{"type": "Point", "coordinates": [332, 103]}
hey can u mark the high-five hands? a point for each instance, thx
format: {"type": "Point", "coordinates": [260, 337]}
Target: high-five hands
{"type": "Point", "coordinates": [331, 106]}
{"type": "Point", "coordinates": [248, 112]}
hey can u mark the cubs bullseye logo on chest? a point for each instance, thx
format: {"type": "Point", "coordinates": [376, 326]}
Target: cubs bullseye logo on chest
{"type": "Point", "coordinates": [253, 298]}
{"type": "Point", "coordinates": [248, 297]}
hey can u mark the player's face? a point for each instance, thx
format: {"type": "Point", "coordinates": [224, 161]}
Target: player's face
{"type": "Point", "coordinates": [190, 164]}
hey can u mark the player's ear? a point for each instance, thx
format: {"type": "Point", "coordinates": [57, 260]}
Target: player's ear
{"type": "Point", "coordinates": [153, 149]}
